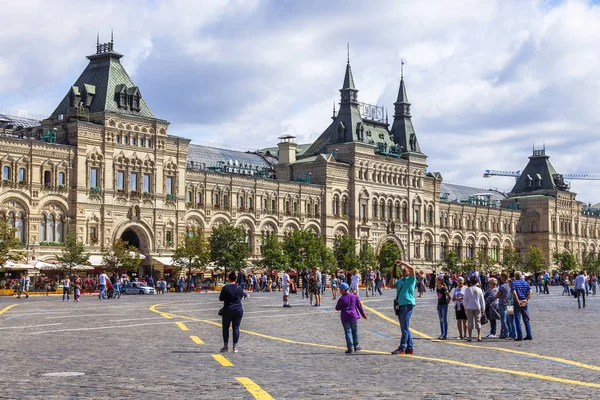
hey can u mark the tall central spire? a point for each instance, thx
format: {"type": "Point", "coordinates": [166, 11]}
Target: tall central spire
{"type": "Point", "coordinates": [402, 128]}
{"type": "Point", "coordinates": [348, 91]}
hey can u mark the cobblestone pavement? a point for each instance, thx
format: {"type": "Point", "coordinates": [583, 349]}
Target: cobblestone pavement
{"type": "Point", "coordinates": [128, 349]}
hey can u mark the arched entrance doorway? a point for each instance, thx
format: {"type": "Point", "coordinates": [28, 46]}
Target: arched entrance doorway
{"type": "Point", "coordinates": [131, 238]}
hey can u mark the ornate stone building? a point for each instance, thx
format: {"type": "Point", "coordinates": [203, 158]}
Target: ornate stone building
{"type": "Point", "coordinates": [103, 166]}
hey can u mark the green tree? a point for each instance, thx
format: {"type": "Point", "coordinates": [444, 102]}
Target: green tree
{"type": "Point", "coordinates": [303, 249]}
{"type": "Point", "coordinates": [467, 264]}
{"type": "Point", "coordinates": [345, 253]}
{"type": "Point", "coordinates": [10, 247]}
{"type": "Point", "coordinates": [121, 257]}
{"type": "Point", "coordinates": [73, 254]}
{"type": "Point", "coordinates": [591, 264]}
{"type": "Point", "coordinates": [366, 257]}
{"type": "Point", "coordinates": [511, 259]}
{"type": "Point", "coordinates": [452, 262]}
{"type": "Point", "coordinates": [193, 252]}
{"type": "Point", "coordinates": [388, 254]}
{"type": "Point", "coordinates": [486, 263]}
{"type": "Point", "coordinates": [328, 261]}
{"type": "Point", "coordinates": [535, 260]}
{"type": "Point", "coordinates": [273, 256]}
{"type": "Point", "coordinates": [565, 260]}
{"type": "Point", "coordinates": [228, 247]}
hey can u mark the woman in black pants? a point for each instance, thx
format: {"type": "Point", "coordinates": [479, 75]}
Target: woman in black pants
{"type": "Point", "coordinates": [233, 312]}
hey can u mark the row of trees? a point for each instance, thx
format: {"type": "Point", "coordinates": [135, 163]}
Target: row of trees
{"type": "Point", "coordinates": [511, 261]}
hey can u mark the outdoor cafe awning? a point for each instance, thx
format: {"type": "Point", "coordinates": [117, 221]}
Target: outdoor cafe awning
{"type": "Point", "coordinates": [163, 260]}
{"type": "Point", "coordinates": [12, 265]}
{"type": "Point", "coordinates": [96, 260]}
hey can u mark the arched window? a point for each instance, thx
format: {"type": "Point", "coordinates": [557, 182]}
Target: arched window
{"type": "Point", "coordinates": [382, 209]}
{"type": "Point", "coordinates": [59, 229]}
{"type": "Point", "coordinates": [61, 178]}
{"type": "Point", "coordinates": [199, 196]}
{"type": "Point", "coordinates": [21, 177]}
{"type": "Point", "coordinates": [250, 203]}
{"type": "Point", "coordinates": [405, 213]}
{"type": "Point", "coordinates": [265, 204]}
{"type": "Point", "coordinates": [336, 205]}
{"type": "Point", "coordinates": [344, 206]}
{"type": "Point", "coordinates": [47, 178]}
{"type": "Point", "coordinates": [189, 196]}
{"type": "Point", "coordinates": [11, 219]}
{"type": "Point", "coordinates": [316, 209]}
{"type": "Point", "coordinates": [374, 208]}
{"type": "Point", "coordinates": [390, 210]}
{"type": "Point", "coordinates": [216, 199]}
{"type": "Point", "coordinates": [6, 172]}
{"type": "Point", "coordinates": [273, 205]}
{"type": "Point", "coordinates": [226, 200]}
{"type": "Point", "coordinates": [50, 228]}
{"type": "Point", "coordinates": [19, 226]}
{"type": "Point", "coordinates": [43, 228]}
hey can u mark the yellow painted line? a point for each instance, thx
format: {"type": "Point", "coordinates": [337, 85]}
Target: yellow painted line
{"type": "Point", "coordinates": [254, 389]}
{"type": "Point", "coordinates": [222, 360]}
{"type": "Point", "coordinates": [523, 353]}
{"type": "Point", "coordinates": [196, 339]}
{"type": "Point", "coordinates": [5, 309]}
{"type": "Point", "coordinates": [182, 326]}
{"type": "Point", "coordinates": [395, 322]}
{"type": "Point", "coordinates": [441, 360]}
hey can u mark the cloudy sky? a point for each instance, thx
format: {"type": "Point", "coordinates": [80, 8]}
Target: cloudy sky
{"type": "Point", "coordinates": [486, 79]}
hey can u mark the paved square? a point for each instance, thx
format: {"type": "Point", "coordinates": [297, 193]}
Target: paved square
{"type": "Point", "coordinates": [165, 346]}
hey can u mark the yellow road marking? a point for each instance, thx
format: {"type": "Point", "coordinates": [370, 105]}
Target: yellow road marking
{"type": "Point", "coordinates": [254, 389]}
{"type": "Point", "coordinates": [441, 360]}
{"type": "Point", "coordinates": [196, 339]}
{"type": "Point", "coordinates": [416, 332]}
{"type": "Point", "coordinates": [5, 309]}
{"type": "Point", "coordinates": [523, 353]}
{"type": "Point", "coordinates": [222, 360]}
{"type": "Point", "coordinates": [182, 326]}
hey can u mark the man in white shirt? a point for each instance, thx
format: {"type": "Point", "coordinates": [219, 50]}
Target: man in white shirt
{"type": "Point", "coordinates": [285, 284]}
{"type": "Point", "coordinates": [102, 285]}
{"type": "Point", "coordinates": [580, 288]}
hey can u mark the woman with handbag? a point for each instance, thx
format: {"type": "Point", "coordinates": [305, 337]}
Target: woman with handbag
{"type": "Point", "coordinates": [507, 317]}
{"type": "Point", "coordinates": [232, 311]}
{"type": "Point", "coordinates": [492, 311]}
{"type": "Point", "coordinates": [461, 316]}
{"type": "Point", "coordinates": [474, 307]}
{"type": "Point", "coordinates": [443, 295]}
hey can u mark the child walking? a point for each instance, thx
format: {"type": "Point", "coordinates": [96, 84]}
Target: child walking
{"type": "Point", "coordinates": [350, 307]}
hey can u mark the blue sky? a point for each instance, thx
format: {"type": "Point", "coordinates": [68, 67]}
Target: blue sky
{"type": "Point", "coordinates": [486, 79]}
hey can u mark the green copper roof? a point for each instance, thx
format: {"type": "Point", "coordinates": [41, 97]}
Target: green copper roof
{"type": "Point", "coordinates": [101, 78]}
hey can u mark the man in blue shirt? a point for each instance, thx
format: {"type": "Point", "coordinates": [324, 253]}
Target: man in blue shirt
{"type": "Point", "coordinates": [521, 294]}
{"type": "Point", "coordinates": [405, 295]}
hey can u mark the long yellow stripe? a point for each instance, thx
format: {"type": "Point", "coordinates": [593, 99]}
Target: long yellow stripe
{"type": "Point", "coordinates": [222, 360]}
{"type": "Point", "coordinates": [523, 353]}
{"type": "Point", "coordinates": [254, 389]}
{"type": "Point", "coordinates": [196, 339]}
{"type": "Point", "coordinates": [416, 332]}
{"type": "Point", "coordinates": [182, 326]}
{"type": "Point", "coordinates": [5, 309]}
{"type": "Point", "coordinates": [442, 360]}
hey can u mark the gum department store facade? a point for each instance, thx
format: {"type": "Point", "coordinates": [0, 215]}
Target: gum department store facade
{"type": "Point", "coordinates": [103, 166]}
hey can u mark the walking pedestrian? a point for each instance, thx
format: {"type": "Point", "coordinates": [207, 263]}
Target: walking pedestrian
{"type": "Point", "coordinates": [461, 315]}
{"type": "Point", "coordinates": [323, 282]}
{"type": "Point", "coordinates": [355, 282]}
{"type": "Point", "coordinates": [369, 277]}
{"type": "Point", "coordinates": [66, 288]}
{"type": "Point", "coordinates": [334, 284]}
{"type": "Point", "coordinates": [26, 285]}
{"type": "Point", "coordinates": [102, 279]}
{"type": "Point", "coordinates": [521, 294]}
{"type": "Point", "coordinates": [304, 277]}
{"type": "Point", "coordinates": [594, 280]}
{"type": "Point", "coordinates": [474, 304]}
{"type": "Point", "coordinates": [314, 284]}
{"type": "Point", "coordinates": [77, 289]}
{"type": "Point", "coordinates": [378, 282]}
{"type": "Point", "coordinates": [492, 304]}
{"type": "Point", "coordinates": [405, 296]}
{"type": "Point", "coordinates": [21, 289]}
{"type": "Point", "coordinates": [232, 311]}
{"type": "Point", "coordinates": [443, 295]}
{"type": "Point", "coordinates": [421, 283]}
{"type": "Point", "coordinates": [286, 288]}
{"type": "Point", "coordinates": [580, 288]}
{"type": "Point", "coordinates": [350, 307]}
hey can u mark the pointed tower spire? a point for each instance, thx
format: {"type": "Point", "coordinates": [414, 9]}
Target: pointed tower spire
{"type": "Point", "coordinates": [402, 128]}
{"type": "Point", "coordinates": [348, 90]}
{"type": "Point", "coordinates": [98, 39]}
{"type": "Point", "coordinates": [112, 37]}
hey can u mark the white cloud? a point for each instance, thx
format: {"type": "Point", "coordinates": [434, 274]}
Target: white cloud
{"type": "Point", "coordinates": [486, 79]}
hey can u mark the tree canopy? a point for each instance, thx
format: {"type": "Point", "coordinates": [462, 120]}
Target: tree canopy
{"type": "Point", "coordinates": [366, 257]}
{"type": "Point", "coordinates": [388, 254]}
{"type": "Point", "coordinates": [228, 247]}
{"type": "Point", "coordinates": [10, 247]}
{"type": "Point", "coordinates": [564, 260]}
{"type": "Point", "coordinates": [73, 254]}
{"type": "Point", "coordinates": [345, 253]}
{"type": "Point", "coordinates": [273, 256]}
{"type": "Point", "coordinates": [304, 249]}
{"type": "Point", "coordinates": [511, 259]}
{"type": "Point", "coordinates": [193, 252]}
{"type": "Point", "coordinates": [121, 257]}
{"type": "Point", "coordinates": [535, 260]}
{"type": "Point", "coordinates": [451, 262]}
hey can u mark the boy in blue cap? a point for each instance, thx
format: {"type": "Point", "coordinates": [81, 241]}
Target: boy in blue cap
{"type": "Point", "coordinates": [350, 307]}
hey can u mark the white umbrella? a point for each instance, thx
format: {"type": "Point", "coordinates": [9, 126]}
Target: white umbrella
{"type": "Point", "coordinates": [134, 253]}
{"type": "Point", "coordinates": [12, 265]}
{"type": "Point", "coordinates": [44, 265]}
{"type": "Point", "coordinates": [83, 267]}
